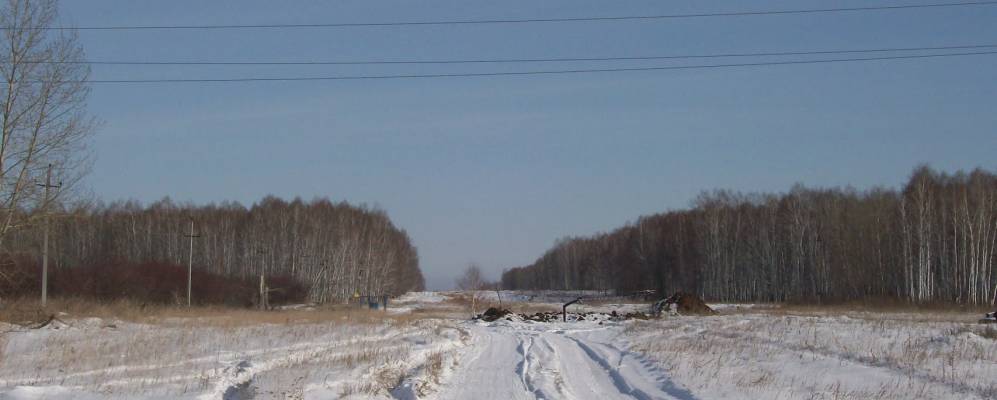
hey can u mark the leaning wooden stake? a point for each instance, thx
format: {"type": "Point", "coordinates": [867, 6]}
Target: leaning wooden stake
{"type": "Point", "coordinates": [564, 309]}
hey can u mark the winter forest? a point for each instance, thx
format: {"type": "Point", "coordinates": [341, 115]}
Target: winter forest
{"type": "Point", "coordinates": [332, 250]}
{"type": "Point", "coordinates": [931, 241]}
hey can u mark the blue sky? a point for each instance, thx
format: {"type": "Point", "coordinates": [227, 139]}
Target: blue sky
{"type": "Point", "coordinates": [494, 170]}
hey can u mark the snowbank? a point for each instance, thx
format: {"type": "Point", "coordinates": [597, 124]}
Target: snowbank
{"type": "Point", "coordinates": [422, 297]}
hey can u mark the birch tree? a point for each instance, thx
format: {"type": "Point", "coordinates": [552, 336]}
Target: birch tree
{"type": "Point", "coordinates": [43, 117]}
{"type": "Point", "coordinates": [934, 239]}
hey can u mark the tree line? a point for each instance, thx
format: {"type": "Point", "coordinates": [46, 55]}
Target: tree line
{"type": "Point", "coordinates": [933, 240]}
{"type": "Point", "coordinates": [335, 250]}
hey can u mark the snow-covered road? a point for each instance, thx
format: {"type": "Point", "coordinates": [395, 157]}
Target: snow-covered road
{"type": "Point", "coordinates": [540, 361]}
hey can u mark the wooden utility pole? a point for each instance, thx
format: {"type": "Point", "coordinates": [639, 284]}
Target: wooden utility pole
{"type": "Point", "coordinates": [190, 259]}
{"type": "Point", "coordinates": [356, 287]}
{"type": "Point", "coordinates": [264, 292]}
{"type": "Point", "coordinates": [47, 185]}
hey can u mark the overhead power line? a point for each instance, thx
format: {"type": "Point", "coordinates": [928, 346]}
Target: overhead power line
{"type": "Point", "coordinates": [528, 60]}
{"type": "Point", "coordinates": [534, 20]}
{"type": "Point", "coordinates": [540, 72]}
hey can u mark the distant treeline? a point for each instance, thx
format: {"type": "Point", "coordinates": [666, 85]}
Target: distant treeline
{"type": "Point", "coordinates": [334, 250]}
{"type": "Point", "coordinates": [933, 241]}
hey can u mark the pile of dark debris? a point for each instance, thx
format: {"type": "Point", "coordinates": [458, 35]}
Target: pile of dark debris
{"type": "Point", "coordinates": [990, 318]}
{"type": "Point", "coordinates": [494, 314]}
{"type": "Point", "coordinates": [682, 303]}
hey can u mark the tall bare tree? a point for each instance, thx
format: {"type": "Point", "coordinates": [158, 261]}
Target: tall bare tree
{"type": "Point", "coordinates": [471, 281]}
{"type": "Point", "coordinates": [43, 116]}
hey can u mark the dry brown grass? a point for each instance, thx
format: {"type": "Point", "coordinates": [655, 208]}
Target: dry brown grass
{"type": "Point", "coordinates": [23, 311]}
{"type": "Point", "coordinates": [890, 306]}
{"type": "Point", "coordinates": [871, 311]}
{"type": "Point", "coordinates": [466, 303]}
{"type": "Point", "coordinates": [439, 311]}
{"type": "Point", "coordinates": [986, 332]}
{"type": "Point", "coordinates": [386, 372]}
{"type": "Point", "coordinates": [363, 388]}
{"type": "Point", "coordinates": [434, 366]}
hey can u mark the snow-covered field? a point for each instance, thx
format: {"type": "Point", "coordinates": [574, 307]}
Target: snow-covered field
{"type": "Point", "coordinates": [869, 356]}
{"type": "Point", "coordinates": [424, 347]}
{"type": "Point", "coordinates": [207, 358]}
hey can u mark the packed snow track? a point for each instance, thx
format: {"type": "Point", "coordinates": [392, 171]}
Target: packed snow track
{"type": "Point", "coordinates": [539, 361]}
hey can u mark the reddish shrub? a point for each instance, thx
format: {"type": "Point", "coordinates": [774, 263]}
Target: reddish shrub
{"type": "Point", "coordinates": [150, 282]}
{"type": "Point", "coordinates": [285, 290]}
{"type": "Point", "coordinates": [18, 276]}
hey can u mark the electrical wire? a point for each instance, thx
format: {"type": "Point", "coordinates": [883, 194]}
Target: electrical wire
{"type": "Point", "coordinates": [528, 20]}
{"type": "Point", "coordinates": [525, 60]}
{"type": "Point", "coordinates": [539, 72]}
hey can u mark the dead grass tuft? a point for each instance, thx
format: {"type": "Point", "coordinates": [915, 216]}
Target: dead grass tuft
{"type": "Point", "coordinates": [363, 388]}
{"type": "Point", "coordinates": [986, 332]}
{"type": "Point", "coordinates": [434, 366]}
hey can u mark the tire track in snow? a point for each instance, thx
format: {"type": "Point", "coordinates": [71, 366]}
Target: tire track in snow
{"type": "Point", "coordinates": [578, 373]}
{"type": "Point", "coordinates": [532, 361]}
{"type": "Point", "coordinates": [491, 369]}
{"type": "Point", "coordinates": [623, 384]}
{"type": "Point", "coordinates": [524, 365]}
{"type": "Point", "coordinates": [549, 382]}
{"type": "Point", "coordinates": [511, 361]}
{"type": "Point", "coordinates": [614, 372]}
